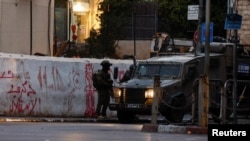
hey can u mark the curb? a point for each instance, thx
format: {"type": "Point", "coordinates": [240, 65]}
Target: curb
{"type": "Point", "coordinates": [196, 130]}
{"type": "Point", "coordinates": [174, 129]}
{"type": "Point", "coordinates": [149, 127]}
{"type": "Point", "coordinates": [42, 119]}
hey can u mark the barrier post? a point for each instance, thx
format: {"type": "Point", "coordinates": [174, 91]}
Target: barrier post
{"type": "Point", "coordinates": [155, 99]}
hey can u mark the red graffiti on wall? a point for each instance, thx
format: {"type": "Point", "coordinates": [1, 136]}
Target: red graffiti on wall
{"type": "Point", "coordinates": [7, 74]}
{"type": "Point", "coordinates": [18, 105]}
{"type": "Point", "coordinates": [89, 90]}
{"type": "Point", "coordinates": [56, 78]}
{"type": "Point", "coordinates": [74, 81]}
{"type": "Point", "coordinates": [23, 96]}
{"type": "Point", "coordinates": [57, 83]}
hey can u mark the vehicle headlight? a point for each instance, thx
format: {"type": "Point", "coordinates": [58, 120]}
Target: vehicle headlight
{"type": "Point", "coordinates": [149, 93]}
{"type": "Point", "coordinates": [117, 92]}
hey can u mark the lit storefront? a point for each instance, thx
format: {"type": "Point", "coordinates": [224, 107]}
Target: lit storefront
{"type": "Point", "coordinates": [73, 21]}
{"type": "Point", "coordinates": [77, 14]}
{"type": "Point", "coordinates": [81, 19]}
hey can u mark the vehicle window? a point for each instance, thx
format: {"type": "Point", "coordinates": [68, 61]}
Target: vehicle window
{"type": "Point", "coordinates": [164, 70]}
{"type": "Point", "coordinates": [191, 72]}
{"type": "Point", "coordinates": [148, 70]}
{"type": "Point", "coordinates": [142, 70]}
{"type": "Point", "coordinates": [170, 70]}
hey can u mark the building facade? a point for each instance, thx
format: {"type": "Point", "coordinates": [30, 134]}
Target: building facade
{"type": "Point", "coordinates": [26, 26]}
{"type": "Point", "coordinates": [243, 10]}
{"type": "Point", "coordinates": [32, 26]}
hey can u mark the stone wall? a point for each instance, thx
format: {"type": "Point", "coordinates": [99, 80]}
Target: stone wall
{"type": "Point", "coordinates": [243, 10]}
{"type": "Point", "coordinates": [141, 49]}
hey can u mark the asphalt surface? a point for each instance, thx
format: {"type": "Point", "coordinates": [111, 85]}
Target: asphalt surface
{"type": "Point", "coordinates": [161, 126]}
{"type": "Point", "coordinates": [90, 131]}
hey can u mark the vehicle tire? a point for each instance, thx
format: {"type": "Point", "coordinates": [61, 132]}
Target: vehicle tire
{"type": "Point", "coordinates": [125, 117]}
{"type": "Point", "coordinates": [176, 111]}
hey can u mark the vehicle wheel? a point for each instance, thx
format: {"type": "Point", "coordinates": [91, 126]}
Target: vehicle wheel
{"type": "Point", "coordinates": [177, 111]}
{"type": "Point", "coordinates": [125, 117]}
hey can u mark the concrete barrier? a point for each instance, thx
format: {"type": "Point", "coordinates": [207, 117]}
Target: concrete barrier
{"type": "Point", "coordinates": [38, 86]}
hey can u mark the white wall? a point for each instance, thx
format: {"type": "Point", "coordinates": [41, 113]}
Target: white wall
{"type": "Point", "coordinates": [15, 26]}
{"type": "Point", "coordinates": [50, 86]}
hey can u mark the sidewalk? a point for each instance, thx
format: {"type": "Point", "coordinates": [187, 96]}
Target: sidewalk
{"type": "Point", "coordinates": [51, 119]}
{"type": "Point", "coordinates": [178, 129]}
{"type": "Point", "coordinates": [147, 126]}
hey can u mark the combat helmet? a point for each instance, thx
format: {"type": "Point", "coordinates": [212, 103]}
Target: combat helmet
{"type": "Point", "coordinates": [106, 63]}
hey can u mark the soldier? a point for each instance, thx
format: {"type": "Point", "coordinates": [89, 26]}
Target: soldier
{"type": "Point", "coordinates": [104, 89]}
{"type": "Point", "coordinates": [127, 74]}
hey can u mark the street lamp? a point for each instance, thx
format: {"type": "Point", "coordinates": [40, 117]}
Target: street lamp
{"type": "Point", "coordinates": [80, 6]}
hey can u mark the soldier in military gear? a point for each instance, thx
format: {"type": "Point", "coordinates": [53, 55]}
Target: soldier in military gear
{"type": "Point", "coordinates": [104, 89]}
{"type": "Point", "coordinates": [127, 74]}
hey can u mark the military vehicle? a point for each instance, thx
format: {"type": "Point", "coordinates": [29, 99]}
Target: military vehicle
{"type": "Point", "coordinates": [178, 84]}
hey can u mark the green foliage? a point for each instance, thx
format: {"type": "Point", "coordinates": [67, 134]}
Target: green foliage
{"type": "Point", "coordinates": [102, 42]}
{"type": "Point", "coordinates": [172, 18]}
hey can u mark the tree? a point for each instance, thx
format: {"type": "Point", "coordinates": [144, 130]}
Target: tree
{"type": "Point", "coordinates": [102, 42]}
{"type": "Point", "coordinates": [172, 18]}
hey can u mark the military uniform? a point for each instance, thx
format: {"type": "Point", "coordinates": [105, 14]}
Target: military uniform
{"type": "Point", "coordinates": [105, 89]}
{"type": "Point", "coordinates": [127, 74]}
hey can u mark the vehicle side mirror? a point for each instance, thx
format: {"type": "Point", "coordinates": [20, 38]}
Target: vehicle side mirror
{"type": "Point", "coordinates": [115, 73]}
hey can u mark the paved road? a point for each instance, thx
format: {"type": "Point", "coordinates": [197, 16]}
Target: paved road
{"type": "Point", "coordinates": [61, 131]}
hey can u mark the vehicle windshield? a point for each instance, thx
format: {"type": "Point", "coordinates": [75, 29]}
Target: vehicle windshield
{"type": "Point", "coordinates": [164, 70]}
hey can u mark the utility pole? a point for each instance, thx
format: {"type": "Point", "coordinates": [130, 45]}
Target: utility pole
{"type": "Point", "coordinates": [199, 43]}
{"type": "Point", "coordinates": [31, 27]}
{"type": "Point", "coordinates": [134, 25]}
{"type": "Point", "coordinates": [69, 23]}
{"type": "Point", "coordinates": [235, 64]}
{"type": "Point", "coordinates": [155, 99]}
{"type": "Point", "coordinates": [204, 79]}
